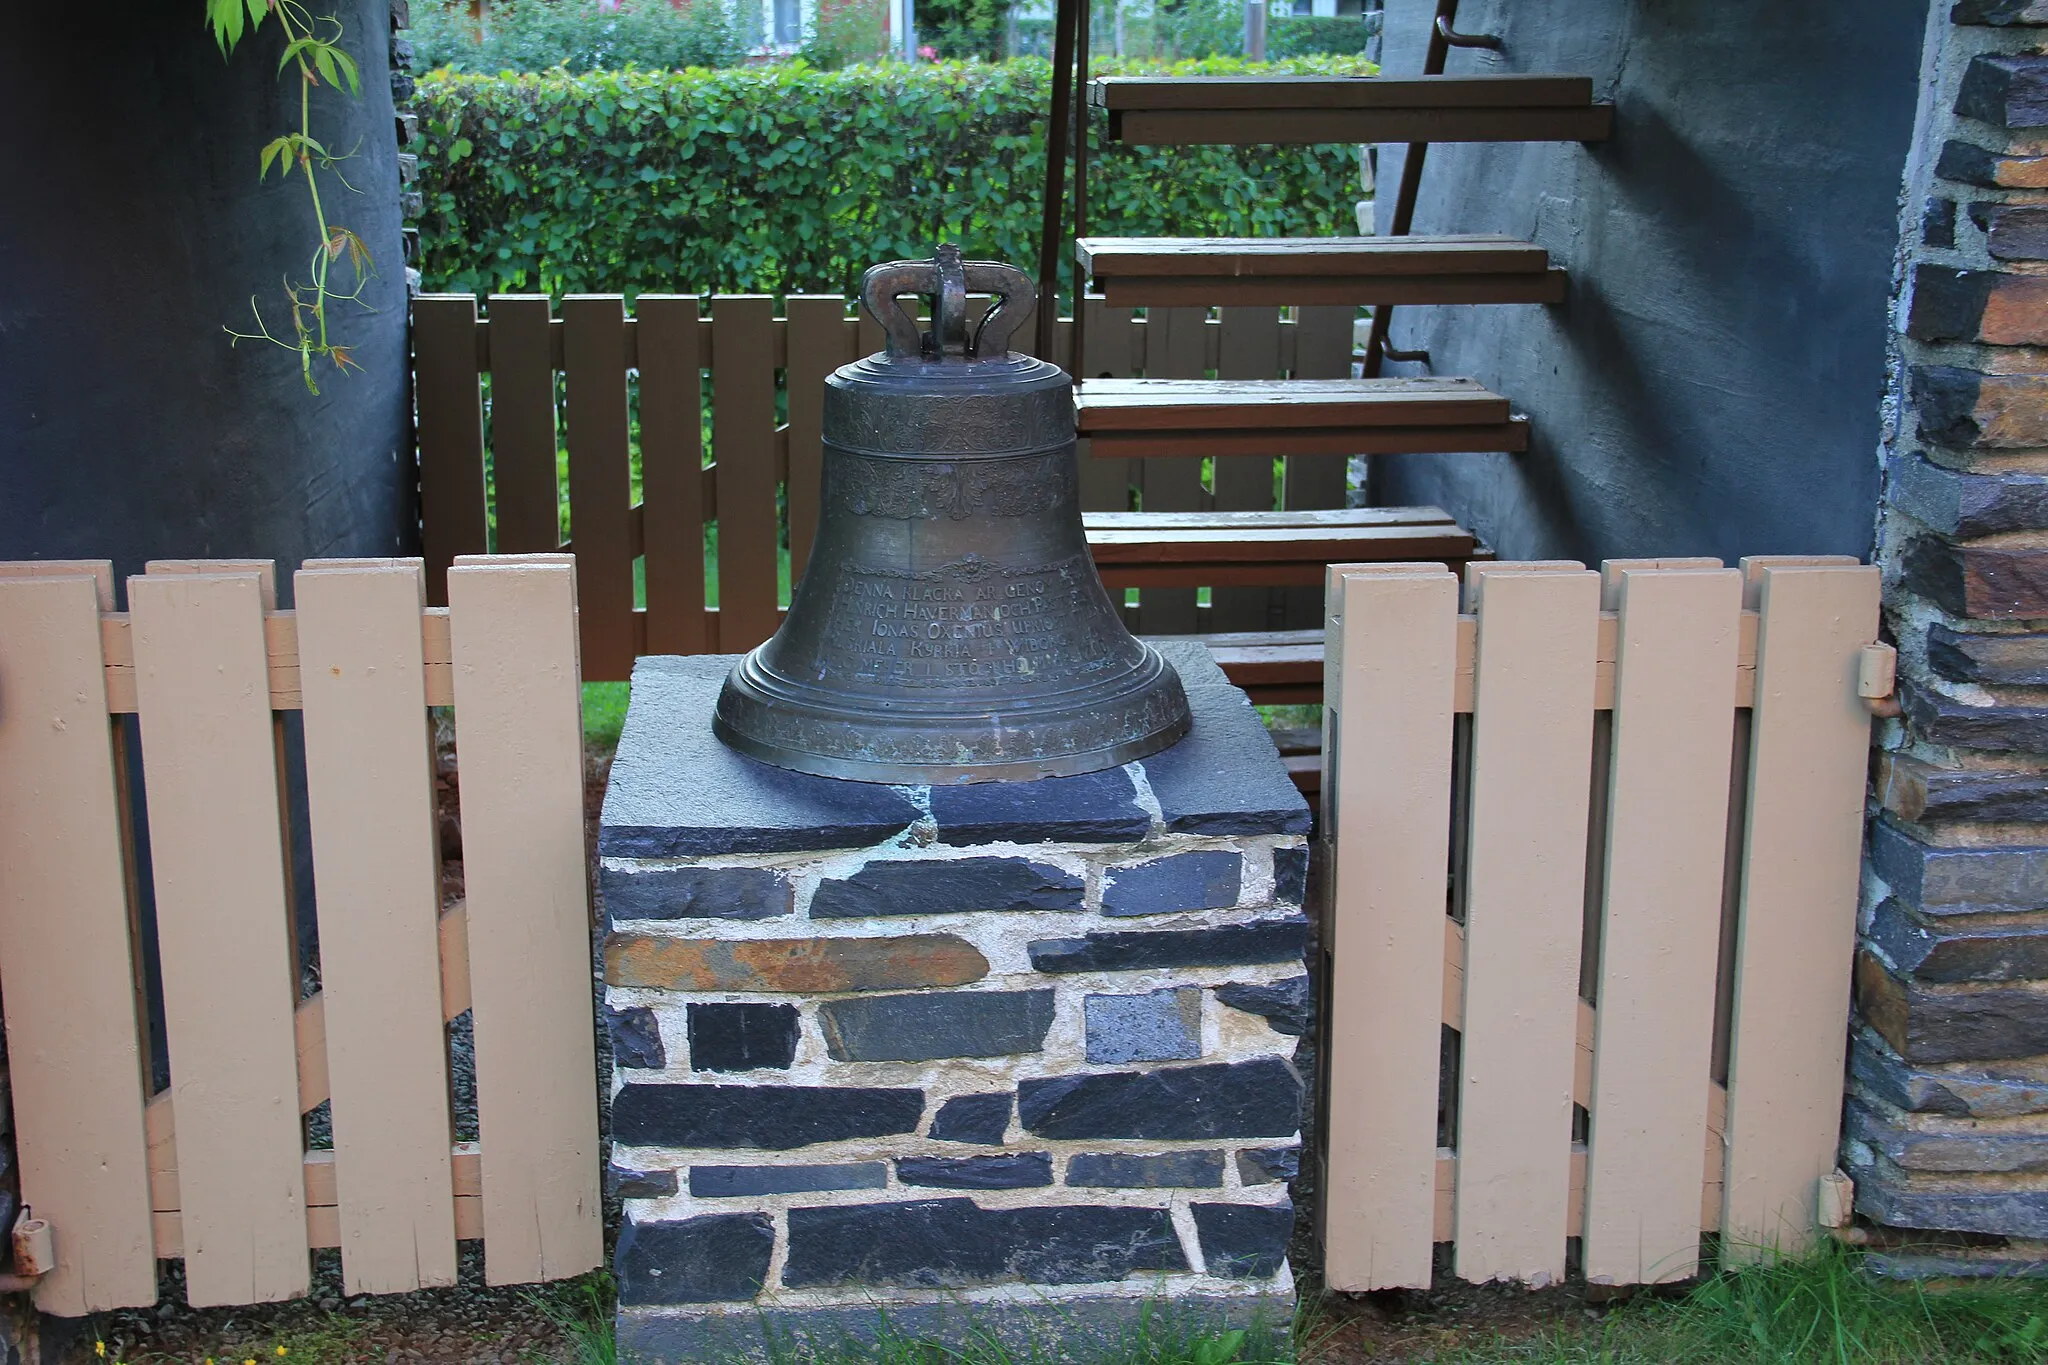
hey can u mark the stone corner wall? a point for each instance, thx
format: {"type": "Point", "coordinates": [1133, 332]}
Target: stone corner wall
{"type": "Point", "coordinates": [1947, 1118]}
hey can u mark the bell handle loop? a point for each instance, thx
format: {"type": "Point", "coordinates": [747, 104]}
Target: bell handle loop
{"type": "Point", "coordinates": [1014, 296]}
{"type": "Point", "coordinates": [881, 286]}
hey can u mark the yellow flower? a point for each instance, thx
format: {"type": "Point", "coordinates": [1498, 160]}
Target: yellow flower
{"type": "Point", "coordinates": [250, 1361]}
{"type": "Point", "coordinates": [281, 1351]}
{"type": "Point", "coordinates": [99, 1348]}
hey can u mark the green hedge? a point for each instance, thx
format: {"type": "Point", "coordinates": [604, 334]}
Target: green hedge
{"type": "Point", "coordinates": [782, 178]}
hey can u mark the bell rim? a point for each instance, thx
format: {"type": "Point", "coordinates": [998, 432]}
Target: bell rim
{"type": "Point", "coordinates": [953, 774]}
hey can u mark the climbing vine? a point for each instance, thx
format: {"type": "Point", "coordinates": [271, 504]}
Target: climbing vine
{"type": "Point", "coordinates": [313, 51]}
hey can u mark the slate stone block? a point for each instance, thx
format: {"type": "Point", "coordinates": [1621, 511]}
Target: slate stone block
{"type": "Point", "coordinates": [1999, 12]}
{"type": "Point", "coordinates": [1010, 1171]}
{"type": "Point", "coordinates": [1284, 1005]}
{"type": "Point", "coordinates": [628, 1183]}
{"type": "Point", "coordinates": [1966, 1092]}
{"type": "Point", "coordinates": [1136, 1171]}
{"type": "Point", "coordinates": [1259, 1098]}
{"type": "Point", "coordinates": [954, 1244]}
{"type": "Point", "coordinates": [1268, 1165]}
{"type": "Point", "coordinates": [742, 1037]}
{"type": "Point", "coordinates": [1094, 808]}
{"type": "Point", "coordinates": [1158, 1026]}
{"type": "Point", "coordinates": [1956, 305]}
{"type": "Point", "coordinates": [979, 1119]}
{"type": "Point", "coordinates": [958, 886]}
{"type": "Point", "coordinates": [2009, 1212]}
{"type": "Point", "coordinates": [802, 965]}
{"type": "Point", "coordinates": [1966, 505]}
{"type": "Point", "coordinates": [1938, 881]}
{"type": "Point", "coordinates": [1224, 945]}
{"type": "Point", "coordinates": [1938, 223]}
{"type": "Point", "coordinates": [1926, 1024]}
{"type": "Point", "coordinates": [1245, 1241]}
{"type": "Point", "coordinates": [2013, 232]}
{"type": "Point", "coordinates": [722, 1182]}
{"type": "Point", "coordinates": [730, 804]}
{"type": "Point", "coordinates": [1917, 791]}
{"type": "Point", "coordinates": [1940, 719]}
{"type": "Point", "coordinates": [1290, 875]}
{"type": "Point", "coordinates": [916, 1028]}
{"type": "Point", "coordinates": [695, 893]}
{"type": "Point", "coordinates": [1948, 953]}
{"type": "Point", "coordinates": [1971, 410]}
{"type": "Point", "coordinates": [1966, 1150]}
{"type": "Point", "coordinates": [2019, 659]}
{"type": "Point", "coordinates": [1225, 777]}
{"type": "Point", "coordinates": [2006, 91]}
{"type": "Point", "coordinates": [716, 1259]}
{"type": "Point", "coordinates": [1208, 879]}
{"type": "Point", "coordinates": [772, 1117]}
{"type": "Point", "coordinates": [636, 1038]}
{"type": "Point", "coordinates": [1974, 165]}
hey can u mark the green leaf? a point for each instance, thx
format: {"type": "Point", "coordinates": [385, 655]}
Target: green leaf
{"type": "Point", "coordinates": [278, 149]}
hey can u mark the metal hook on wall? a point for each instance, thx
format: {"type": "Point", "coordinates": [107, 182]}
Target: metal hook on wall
{"type": "Point", "coordinates": [1457, 39]}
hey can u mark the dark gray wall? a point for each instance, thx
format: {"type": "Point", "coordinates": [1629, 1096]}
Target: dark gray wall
{"type": "Point", "coordinates": [132, 229]}
{"type": "Point", "coordinates": [1712, 386]}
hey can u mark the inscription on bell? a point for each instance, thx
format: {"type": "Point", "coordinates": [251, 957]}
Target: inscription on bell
{"type": "Point", "coordinates": [923, 631]}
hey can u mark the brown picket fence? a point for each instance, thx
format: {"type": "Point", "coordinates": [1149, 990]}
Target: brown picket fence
{"type": "Point", "coordinates": [216, 1168]}
{"type": "Point", "coordinates": [1621, 1016]}
{"type": "Point", "coordinates": [500, 393]}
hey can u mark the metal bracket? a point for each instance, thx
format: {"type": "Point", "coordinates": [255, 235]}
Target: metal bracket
{"type": "Point", "coordinates": [1457, 39]}
{"type": "Point", "coordinates": [1395, 353]}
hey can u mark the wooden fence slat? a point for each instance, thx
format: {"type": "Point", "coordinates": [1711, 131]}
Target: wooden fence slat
{"type": "Point", "coordinates": [449, 399]}
{"type": "Point", "coordinates": [672, 471]}
{"type": "Point", "coordinates": [369, 784]}
{"type": "Point", "coordinates": [1106, 483]}
{"type": "Point", "coordinates": [523, 425]}
{"type": "Point", "coordinates": [1802, 866]}
{"type": "Point", "coordinates": [1387, 779]}
{"type": "Point", "coordinates": [202, 684]}
{"type": "Point", "coordinates": [1667, 819]}
{"type": "Point", "coordinates": [1248, 347]}
{"type": "Point", "coordinates": [512, 630]}
{"type": "Point", "coordinates": [66, 949]}
{"type": "Point", "coordinates": [818, 345]}
{"type": "Point", "coordinates": [600, 479]}
{"type": "Point", "coordinates": [1175, 348]}
{"type": "Point", "coordinates": [743, 447]}
{"type": "Point", "coordinates": [1322, 350]}
{"type": "Point", "coordinates": [1532, 739]}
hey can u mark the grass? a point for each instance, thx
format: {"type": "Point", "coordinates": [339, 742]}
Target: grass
{"type": "Point", "coordinates": [1823, 1309]}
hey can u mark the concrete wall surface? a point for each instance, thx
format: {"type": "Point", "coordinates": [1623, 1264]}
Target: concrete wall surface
{"type": "Point", "coordinates": [1713, 383]}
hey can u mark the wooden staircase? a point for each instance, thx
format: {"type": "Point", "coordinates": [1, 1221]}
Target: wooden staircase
{"type": "Point", "coordinates": [1243, 422]}
{"type": "Point", "coordinates": [1191, 111]}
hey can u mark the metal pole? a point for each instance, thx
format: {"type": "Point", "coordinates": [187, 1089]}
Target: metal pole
{"type": "Point", "coordinates": [1411, 183]}
{"type": "Point", "coordinates": [1255, 30]}
{"type": "Point", "coordinates": [1082, 22]}
{"type": "Point", "coordinates": [1055, 176]}
{"type": "Point", "coordinates": [909, 30]}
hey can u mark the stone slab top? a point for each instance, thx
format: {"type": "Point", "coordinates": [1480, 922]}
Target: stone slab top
{"type": "Point", "coordinates": [676, 791]}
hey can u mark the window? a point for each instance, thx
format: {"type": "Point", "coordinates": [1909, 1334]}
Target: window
{"type": "Point", "coordinates": [789, 22]}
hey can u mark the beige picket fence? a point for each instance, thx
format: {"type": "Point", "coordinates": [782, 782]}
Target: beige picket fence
{"type": "Point", "coordinates": [1646, 785]}
{"type": "Point", "coordinates": [694, 387]}
{"type": "Point", "coordinates": [216, 1168]}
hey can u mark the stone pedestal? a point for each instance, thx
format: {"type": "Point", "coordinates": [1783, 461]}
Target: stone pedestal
{"type": "Point", "coordinates": [1010, 1058]}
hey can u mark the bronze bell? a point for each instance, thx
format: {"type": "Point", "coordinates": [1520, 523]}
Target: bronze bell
{"type": "Point", "coordinates": [951, 626]}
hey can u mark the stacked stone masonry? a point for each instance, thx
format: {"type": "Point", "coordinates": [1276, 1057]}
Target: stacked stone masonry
{"type": "Point", "coordinates": [1947, 1120]}
{"type": "Point", "coordinates": [1014, 1046]}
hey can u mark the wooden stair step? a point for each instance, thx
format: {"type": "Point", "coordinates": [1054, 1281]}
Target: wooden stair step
{"type": "Point", "coordinates": [1181, 111]}
{"type": "Point", "coordinates": [1274, 667]}
{"type": "Point", "coordinates": [1275, 549]}
{"type": "Point", "coordinates": [1202, 417]}
{"type": "Point", "coordinates": [1199, 271]}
